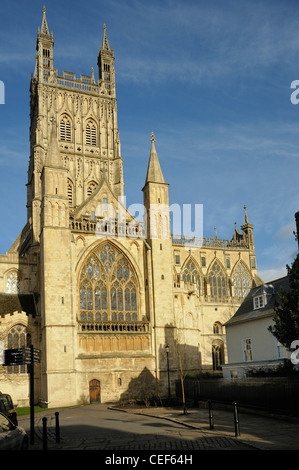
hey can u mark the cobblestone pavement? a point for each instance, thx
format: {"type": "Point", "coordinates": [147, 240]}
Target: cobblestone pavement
{"type": "Point", "coordinates": [168, 432]}
{"type": "Point", "coordinates": [108, 429]}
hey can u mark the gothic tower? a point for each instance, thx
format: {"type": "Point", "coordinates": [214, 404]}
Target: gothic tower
{"type": "Point", "coordinates": [74, 152]}
{"type": "Point", "coordinates": [85, 110]}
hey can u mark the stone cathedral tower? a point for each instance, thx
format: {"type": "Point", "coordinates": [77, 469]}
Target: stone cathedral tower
{"type": "Point", "coordinates": [98, 292]}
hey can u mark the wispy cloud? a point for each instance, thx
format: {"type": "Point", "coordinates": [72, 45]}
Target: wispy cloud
{"type": "Point", "coordinates": [231, 39]}
{"type": "Point", "coordinates": [269, 275]}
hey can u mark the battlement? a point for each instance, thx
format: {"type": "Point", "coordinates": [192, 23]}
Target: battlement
{"type": "Point", "coordinates": [209, 242]}
{"type": "Point", "coordinates": [68, 80]}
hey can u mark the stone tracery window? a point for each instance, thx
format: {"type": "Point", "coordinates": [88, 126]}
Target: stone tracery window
{"type": "Point", "coordinates": [108, 287]}
{"type": "Point", "coordinates": [217, 328]}
{"type": "Point", "coordinates": [91, 133]}
{"type": "Point", "coordinates": [218, 282]}
{"type": "Point", "coordinates": [13, 283]}
{"type": "Point", "coordinates": [18, 337]}
{"type": "Point", "coordinates": [241, 281]}
{"type": "Point", "coordinates": [191, 275]}
{"type": "Point", "coordinates": [65, 132]}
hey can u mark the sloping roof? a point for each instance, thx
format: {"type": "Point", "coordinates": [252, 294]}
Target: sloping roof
{"type": "Point", "coordinates": [246, 312]}
{"type": "Point", "coordinates": [10, 303]}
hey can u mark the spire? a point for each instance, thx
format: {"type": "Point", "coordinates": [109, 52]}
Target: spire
{"type": "Point", "coordinates": [246, 217]}
{"type": "Point", "coordinates": [247, 231]}
{"type": "Point", "coordinates": [105, 43]}
{"type": "Point", "coordinates": [44, 48]}
{"type": "Point", "coordinates": [53, 158]}
{"type": "Point", "coordinates": [44, 28]}
{"type": "Point", "coordinates": [154, 172]}
{"type": "Point", "coordinates": [246, 224]}
{"type": "Point", "coordinates": [106, 67]}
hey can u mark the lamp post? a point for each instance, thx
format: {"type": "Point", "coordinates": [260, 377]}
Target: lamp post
{"type": "Point", "coordinates": [167, 352]}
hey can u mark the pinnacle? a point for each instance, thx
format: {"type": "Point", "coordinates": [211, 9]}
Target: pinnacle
{"type": "Point", "coordinates": [154, 172]}
{"type": "Point", "coordinates": [44, 28]}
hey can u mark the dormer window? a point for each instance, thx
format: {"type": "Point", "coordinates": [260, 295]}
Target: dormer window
{"type": "Point", "coordinates": [258, 302]}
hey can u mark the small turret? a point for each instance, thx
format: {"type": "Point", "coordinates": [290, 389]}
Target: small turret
{"type": "Point", "coordinates": [247, 230]}
{"type": "Point", "coordinates": [106, 65]}
{"type": "Point", "coordinates": [44, 48]}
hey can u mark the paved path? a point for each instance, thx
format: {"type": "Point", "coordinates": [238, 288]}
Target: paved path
{"type": "Point", "coordinates": [106, 428]}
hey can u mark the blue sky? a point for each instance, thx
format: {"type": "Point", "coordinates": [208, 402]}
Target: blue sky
{"type": "Point", "coordinates": [211, 79]}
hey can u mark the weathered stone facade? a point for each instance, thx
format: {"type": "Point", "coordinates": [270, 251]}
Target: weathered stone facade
{"type": "Point", "coordinates": [98, 292]}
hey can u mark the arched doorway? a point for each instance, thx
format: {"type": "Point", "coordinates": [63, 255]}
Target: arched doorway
{"type": "Point", "coordinates": [95, 391]}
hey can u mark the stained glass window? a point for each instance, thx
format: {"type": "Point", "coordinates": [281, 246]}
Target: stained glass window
{"type": "Point", "coordinates": [108, 287]}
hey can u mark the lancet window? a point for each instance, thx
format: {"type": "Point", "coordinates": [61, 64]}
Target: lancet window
{"type": "Point", "coordinates": [70, 191]}
{"type": "Point", "coordinates": [91, 133]}
{"type": "Point", "coordinates": [65, 131]}
{"type": "Point", "coordinates": [108, 287]}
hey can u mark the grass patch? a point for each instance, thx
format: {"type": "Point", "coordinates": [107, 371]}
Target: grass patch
{"type": "Point", "coordinates": [25, 410]}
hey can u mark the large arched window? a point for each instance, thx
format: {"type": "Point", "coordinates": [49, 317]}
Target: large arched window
{"type": "Point", "coordinates": [108, 287]}
{"type": "Point", "coordinates": [241, 281]}
{"type": "Point", "coordinates": [18, 337]}
{"type": "Point", "coordinates": [65, 130]}
{"type": "Point", "coordinates": [218, 282]}
{"type": "Point", "coordinates": [191, 275]}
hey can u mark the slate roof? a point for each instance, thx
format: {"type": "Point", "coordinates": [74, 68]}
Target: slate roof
{"type": "Point", "coordinates": [246, 312]}
{"type": "Point", "coordinates": [10, 303]}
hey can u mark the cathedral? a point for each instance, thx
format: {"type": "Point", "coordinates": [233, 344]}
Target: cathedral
{"type": "Point", "coordinates": [119, 308]}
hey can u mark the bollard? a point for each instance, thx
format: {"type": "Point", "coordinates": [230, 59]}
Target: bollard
{"type": "Point", "coordinates": [236, 420]}
{"type": "Point", "coordinates": [211, 415]}
{"type": "Point", "coordinates": [45, 444]}
{"type": "Point", "coordinates": [57, 427]}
